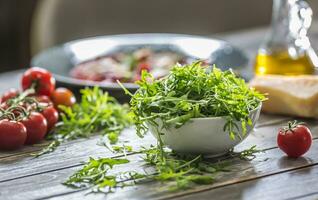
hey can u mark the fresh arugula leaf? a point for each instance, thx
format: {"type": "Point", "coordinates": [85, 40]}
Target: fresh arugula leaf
{"type": "Point", "coordinates": [178, 172]}
{"type": "Point", "coordinates": [95, 173]}
{"type": "Point", "coordinates": [192, 91]}
{"type": "Point", "coordinates": [97, 113]}
{"type": "Point", "coordinates": [181, 172]}
{"type": "Point", "coordinates": [249, 154]}
{"type": "Point", "coordinates": [122, 149]}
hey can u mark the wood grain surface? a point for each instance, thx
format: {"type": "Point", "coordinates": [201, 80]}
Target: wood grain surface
{"type": "Point", "coordinates": [47, 172]}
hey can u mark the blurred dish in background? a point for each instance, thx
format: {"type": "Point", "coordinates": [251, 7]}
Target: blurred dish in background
{"type": "Point", "coordinates": [62, 59]}
{"type": "Point", "coordinates": [127, 67]}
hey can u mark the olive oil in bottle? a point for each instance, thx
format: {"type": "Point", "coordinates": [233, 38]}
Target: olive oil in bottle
{"type": "Point", "coordinates": [283, 64]}
{"type": "Point", "coordinates": [286, 49]}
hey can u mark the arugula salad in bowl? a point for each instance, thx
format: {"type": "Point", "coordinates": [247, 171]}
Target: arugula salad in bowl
{"type": "Point", "coordinates": [196, 109]}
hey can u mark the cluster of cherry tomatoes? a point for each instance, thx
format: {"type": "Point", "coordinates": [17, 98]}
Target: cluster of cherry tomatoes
{"type": "Point", "coordinates": [27, 116]}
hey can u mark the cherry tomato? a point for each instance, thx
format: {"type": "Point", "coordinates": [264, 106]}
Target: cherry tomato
{"type": "Point", "coordinates": [4, 105]}
{"type": "Point", "coordinates": [43, 99]}
{"type": "Point", "coordinates": [43, 80]}
{"type": "Point", "coordinates": [63, 96]}
{"type": "Point", "coordinates": [295, 139]}
{"type": "Point", "coordinates": [143, 66]}
{"type": "Point", "coordinates": [11, 93]}
{"type": "Point", "coordinates": [36, 126]}
{"type": "Point", "coordinates": [12, 135]}
{"type": "Point", "coordinates": [51, 115]}
{"type": "Point", "coordinates": [140, 67]}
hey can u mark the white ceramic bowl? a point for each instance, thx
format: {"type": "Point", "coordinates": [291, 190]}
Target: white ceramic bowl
{"type": "Point", "coordinates": [202, 135]}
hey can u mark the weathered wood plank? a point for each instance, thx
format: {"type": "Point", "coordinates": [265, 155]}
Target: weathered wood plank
{"type": "Point", "coordinates": [270, 163]}
{"type": "Point", "coordinates": [269, 119]}
{"type": "Point", "coordinates": [48, 184]}
{"type": "Point", "coordinates": [69, 155]}
{"type": "Point", "coordinates": [298, 184]}
{"type": "Point", "coordinates": [74, 153]}
{"type": "Point", "coordinates": [25, 150]}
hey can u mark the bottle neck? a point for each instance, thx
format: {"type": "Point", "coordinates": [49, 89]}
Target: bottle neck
{"type": "Point", "coordinates": [280, 16]}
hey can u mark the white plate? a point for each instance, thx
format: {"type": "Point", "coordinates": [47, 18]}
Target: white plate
{"type": "Point", "coordinates": [61, 59]}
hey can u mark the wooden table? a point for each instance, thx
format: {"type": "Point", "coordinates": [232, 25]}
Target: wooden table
{"type": "Point", "coordinates": [270, 175]}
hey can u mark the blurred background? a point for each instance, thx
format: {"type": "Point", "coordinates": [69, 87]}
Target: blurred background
{"type": "Point", "coordinates": [29, 26]}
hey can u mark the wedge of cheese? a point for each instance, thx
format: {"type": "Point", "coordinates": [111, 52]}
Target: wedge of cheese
{"type": "Point", "coordinates": [289, 95]}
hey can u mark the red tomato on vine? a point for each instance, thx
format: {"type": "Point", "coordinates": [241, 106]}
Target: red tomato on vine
{"type": "Point", "coordinates": [294, 139]}
{"type": "Point", "coordinates": [40, 79]}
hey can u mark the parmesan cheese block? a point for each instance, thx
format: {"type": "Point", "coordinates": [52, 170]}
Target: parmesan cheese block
{"type": "Point", "coordinates": [290, 95]}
